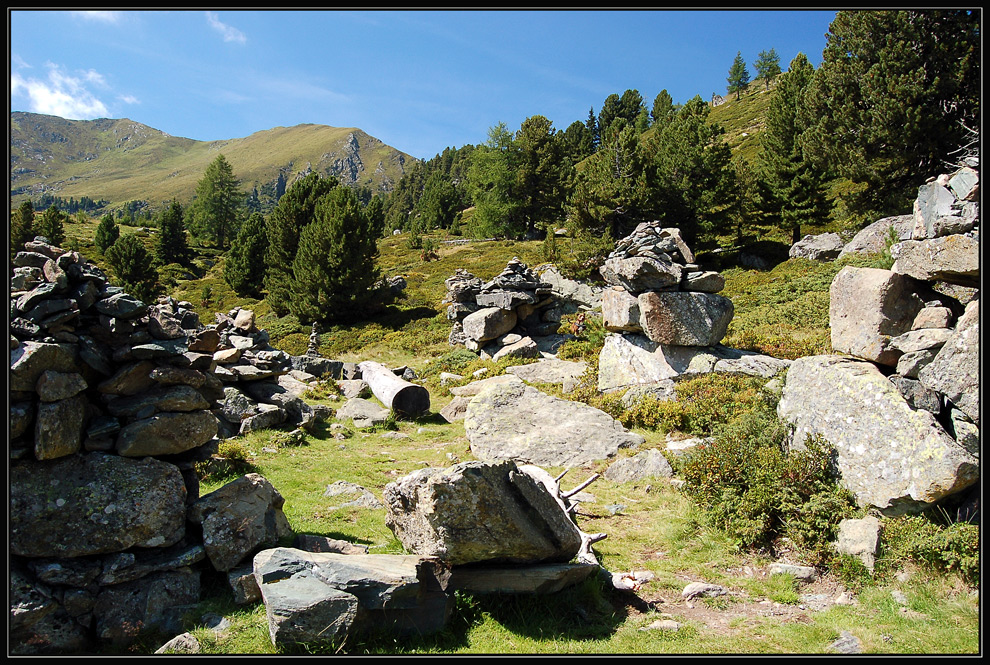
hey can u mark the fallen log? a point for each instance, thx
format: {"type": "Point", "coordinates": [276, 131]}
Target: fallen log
{"type": "Point", "coordinates": [395, 393]}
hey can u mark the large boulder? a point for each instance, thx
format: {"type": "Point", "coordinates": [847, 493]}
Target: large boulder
{"type": "Point", "coordinates": [488, 323]}
{"type": "Point", "coordinates": [166, 433]}
{"type": "Point", "coordinates": [518, 422]}
{"type": "Point", "coordinates": [240, 518]}
{"type": "Point", "coordinates": [319, 597]}
{"type": "Point", "coordinates": [94, 504]}
{"type": "Point", "coordinates": [889, 455]}
{"type": "Point", "coordinates": [628, 360]}
{"type": "Point", "coordinates": [954, 259]}
{"type": "Point", "coordinates": [873, 238]}
{"type": "Point", "coordinates": [638, 274]}
{"type": "Point", "coordinates": [620, 310]}
{"type": "Point", "coordinates": [685, 318]}
{"type": "Point", "coordinates": [955, 370]}
{"type": "Point", "coordinates": [480, 511]}
{"type": "Point", "coordinates": [824, 247]}
{"type": "Point", "coordinates": [867, 308]}
{"type": "Point", "coordinates": [571, 290]}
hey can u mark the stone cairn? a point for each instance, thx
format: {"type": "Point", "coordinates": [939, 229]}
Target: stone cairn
{"type": "Point", "coordinates": [113, 402]}
{"type": "Point", "coordinates": [666, 316]}
{"type": "Point", "coordinates": [908, 370]}
{"type": "Point", "coordinates": [502, 317]}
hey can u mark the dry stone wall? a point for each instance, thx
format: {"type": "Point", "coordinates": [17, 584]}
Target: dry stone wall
{"type": "Point", "coordinates": [112, 404]}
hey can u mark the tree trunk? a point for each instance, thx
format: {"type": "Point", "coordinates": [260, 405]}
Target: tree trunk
{"type": "Point", "coordinates": [397, 394]}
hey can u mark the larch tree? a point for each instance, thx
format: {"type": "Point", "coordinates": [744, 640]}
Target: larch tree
{"type": "Point", "coordinates": [767, 66]}
{"type": "Point", "coordinates": [738, 77]}
{"type": "Point", "coordinates": [215, 212]}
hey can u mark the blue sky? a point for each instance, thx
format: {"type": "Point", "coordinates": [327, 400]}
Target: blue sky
{"type": "Point", "coordinates": [418, 80]}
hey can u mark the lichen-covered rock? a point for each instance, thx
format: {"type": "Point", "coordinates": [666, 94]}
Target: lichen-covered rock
{"type": "Point", "coordinates": [166, 433]}
{"type": "Point", "coordinates": [517, 421]}
{"type": "Point", "coordinates": [889, 455]}
{"type": "Point", "coordinates": [955, 370]}
{"type": "Point", "coordinates": [954, 259]}
{"type": "Point", "coordinates": [93, 504]}
{"type": "Point", "coordinates": [638, 274]}
{"type": "Point", "coordinates": [823, 247]}
{"type": "Point", "coordinates": [488, 323]}
{"type": "Point", "coordinates": [620, 310]}
{"type": "Point", "coordinates": [873, 238]}
{"type": "Point", "coordinates": [868, 307]}
{"type": "Point", "coordinates": [685, 318]}
{"type": "Point", "coordinates": [480, 511]}
{"type": "Point", "coordinates": [240, 518]}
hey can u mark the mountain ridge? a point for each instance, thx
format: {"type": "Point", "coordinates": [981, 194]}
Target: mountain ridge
{"type": "Point", "coordinates": [122, 160]}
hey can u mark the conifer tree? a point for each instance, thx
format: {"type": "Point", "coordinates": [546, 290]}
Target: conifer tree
{"type": "Point", "coordinates": [893, 98]}
{"type": "Point", "coordinates": [21, 227]}
{"type": "Point", "coordinates": [797, 186]}
{"type": "Point", "coordinates": [51, 225]}
{"type": "Point", "coordinates": [244, 265]}
{"type": "Point", "coordinates": [542, 173]}
{"type": "Point", "coordinates": [171, 245]}
{"type": "Point", "coordinates": [663, 108]}
{"type": "Point", "coordinates": [285, 224]}
{"type": "Point", "coordinates": [491, 180]}
{"type": "Point", "coordinates": [738, 75]}
{"type": "Point", "coordinates": [132, 267]}
{"type": "Point", "coordinates": [333, 271]}
{"type": "Point", "coordinates": [215, 212]}
{"type": "Point", "coordinates": [767, 66]}
{"type": "Point", "coordinates": [107, 233]}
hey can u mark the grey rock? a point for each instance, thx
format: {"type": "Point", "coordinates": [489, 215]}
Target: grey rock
{"type": "Point", "coordinates": [363, 413]}
{"type": "Point", "coordinates": [480, 511]}
{"type": "Point", "coordinates": [955, 370]}
{"type": "Point", "coordinates": [357, 496]}
{"type": "Point", "coordinates": [488, 323]}
{"type": "Point", "coordinates": [954, 259]}
{"type": "Point", "coordinates": [639, 274]}
{"type": "Point", "coordinates": [853, 406]}
{"type": "Point", "coordinates": [571, 290]}
{"type": "Point", "coordinates": [240, 518]}
{"type": "Point", "coordinates": [93, 504]}
{"type": "Point", "coordinates": [699, 589]}
{"type": "Point", "coordinates": [59, 427]}
{"type": "Point", "coordinates": [685, 318]}
{"type": "Point", "coordinates": [156, 603]}
{"type": "Point", "coordinates": [517, 421]}
{"type": "Point", "coordinates": [868, 307]}
{"type": "Point", "coordinates": [166, 433]}
{"type": "Point", "coordinates": [802, 573]}
{"type": "Point", "coordinates": [824, 247]}
{"type": "Point", "coordinates": [551, 370]}
{"type": "Point", "coordinates": [647, 464]}
{"type": "Point", "coordinates": [31, 359]}
{"type": "Point", "coordinates": [846, 644]}
{"type": "Point", "coordinates": [620, 310]}
{"type": "Point", "coordinates": [859, 538]}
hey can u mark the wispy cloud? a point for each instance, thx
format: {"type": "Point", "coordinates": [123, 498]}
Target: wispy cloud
{"type": "Point", "coordinates": [61, 94]}
{"type": "Point", "coordinates": [100, 16]}
{"type": "Point", "coordinates": [229, 33]}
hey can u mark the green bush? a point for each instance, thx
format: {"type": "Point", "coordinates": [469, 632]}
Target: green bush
{"type": "Point", "coordinates": [754, 489]}
{"type": "Point", "coordinates": [917, 539]}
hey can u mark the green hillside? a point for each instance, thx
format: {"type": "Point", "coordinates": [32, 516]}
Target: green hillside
{"type": "Point", "coordinates": [122, 160]}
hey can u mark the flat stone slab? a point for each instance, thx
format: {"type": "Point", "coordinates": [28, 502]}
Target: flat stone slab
{"type": "Point", "coordinates": [533, 579]}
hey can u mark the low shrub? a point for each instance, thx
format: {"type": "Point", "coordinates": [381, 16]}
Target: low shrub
{"type": "Point", "coordinates": [757, 491]}
{"type": "Point", "coordinates": [935, 547]}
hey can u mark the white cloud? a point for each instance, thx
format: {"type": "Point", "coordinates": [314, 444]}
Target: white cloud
{"type": "Point", "coordinates": [129, 99]}
{"type": "Point", "coordinates": [229, 33]}
{"type": "Point", "coordinates": [100, 17]}
{"type": "Point", "coordinates": [61, 94]}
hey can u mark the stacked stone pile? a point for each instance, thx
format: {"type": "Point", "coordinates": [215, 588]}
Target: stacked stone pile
{"type": "Point", "coordinates": [901, 404]}
{"type": "Point", "coordinates": [508, 316]}
{"type": "Point", "coordinates": [113, 402]}
{"type": "Point", "coordinates": [666, 315]}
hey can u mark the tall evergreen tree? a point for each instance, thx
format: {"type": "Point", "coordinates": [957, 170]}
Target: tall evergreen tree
{"type": "Point", "coordinates": [767, 66]}
{"type": "Point", "coordinates": [294, 211]}
{"type": "Point", "coordinates": [542, 172]}
{"type": "Point", "coordinates": [171, 245]}
{"type": "Point", "coordinates": [132, 267]}
{"type": "Point", "coordinates": [215, 212]}
{"type": "Point", "coordinates": [592, 124]}
{"type": "Point", "coordinates": [51, 225]}
{"type": "Point", "coordinates": [797, 186]}
{"type": "Point", "coordinates": [893, 98]}
{"type": "Point", "coordinates": [21, 227]}
{"type": "Point", "coordinates": [491, 180]}
{"type": "Point", "coordinates": [438, 206]}
{"type": "Point", "coordinates": [107, 233]}
{"type": "Point", "coordinates": [578, 141]}
{"type": "Point", "coordinates": [244, 265]}
{"type": "Point", "coordinates": [663, 108]}
{"type": "Point", "coordinates": [334, 271]}
{"type": "Point", "coordinates": [738, 75]}
{"type": "Point", "coordinates": [689, 173]}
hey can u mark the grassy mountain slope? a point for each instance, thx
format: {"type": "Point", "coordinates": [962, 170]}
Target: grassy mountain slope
{"type": "Point", "coordinates": [122, 160]}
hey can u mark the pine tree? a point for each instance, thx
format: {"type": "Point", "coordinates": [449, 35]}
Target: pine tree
{"type": "Point", "coordinates": [663, 108]}
{"type": "Point", "coordinates": [107, 233]}
{"type": "Point", "coordinates": [333, 271]}
{"type": "Point", "coordinates": [171, 245]}
{"type": "Point", "coordinates": [294, 211]}
{"type": "Point", "coordinates": [767, 66]}
{"type": "Point", "coordinates": [797, 186]}
{"type": "Point", "coordinates": [592, 124]}
{"type": "Point", "coordinates": [893, 98]}
{"type": "Point", "coordinates": [51, 225]}
{"type": "Point", "coordinates": [132, 267]}
{"type": "Point", "coordinates": [215, 212]}
{"type": "Point", "coordinates": [244, 265]}
{"type": "Point", "coordinates": [21, 227]}
{"type": "Point", "coordinates": [738, 75]}
{"type": "Point", "coordinates": [491, 180]}
{"type": "Point", "coordinates": [542, 173]}
{"type": "Point", "coordinates": [438, 205]}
